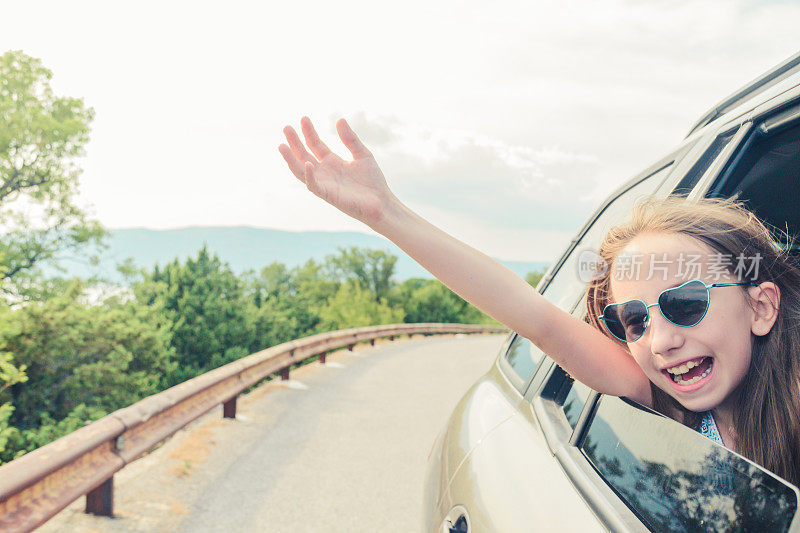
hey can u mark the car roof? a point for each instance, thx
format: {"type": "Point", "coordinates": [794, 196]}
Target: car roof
{"type": "Point", "coordinates": [788, 69]}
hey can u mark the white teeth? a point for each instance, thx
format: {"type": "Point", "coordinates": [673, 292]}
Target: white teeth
{"type": "Point", "coordinates": [679, 369]}
{"type": "Point", "coordinates": [678, 372]}
{"type": "Point", "coordinates": [684, 368]}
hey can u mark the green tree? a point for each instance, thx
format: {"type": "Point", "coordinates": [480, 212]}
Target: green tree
{"type": "Point", "coordinates": [288, 302]}
{"type": "Point", "coordinates": [104, 356]}
{"type": "Point", "coordinates": [9, 375]}
{"type": "Point", "coordinates": [273, 282]}
{"type": "Point", "coordinates": [353, 306]}
{"type": "Point", "coordinates": [23, 441]}
{"type": "Point", "coordinates": [40, 140]}
{"type": "Point", "coordinates": [428, 300]}
{"type": "Point", "coordinates": [372, 269]}
{"type": "Point", "coordinates": [312, 289]}
{"type": "Point", "coordinates": [212, 322]}
{"type": "Point", "coordinates": [533, 278]}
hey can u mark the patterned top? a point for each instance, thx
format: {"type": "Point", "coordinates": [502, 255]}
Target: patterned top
{"type": "Point", "coordinates": [708, 428]}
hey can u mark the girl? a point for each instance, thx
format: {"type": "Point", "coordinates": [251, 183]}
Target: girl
{"type": "Point", "coordinates": [715, 350]}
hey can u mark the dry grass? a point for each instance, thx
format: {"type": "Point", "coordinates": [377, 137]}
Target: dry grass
{"type": "Point", "coordinates": [193, 449]}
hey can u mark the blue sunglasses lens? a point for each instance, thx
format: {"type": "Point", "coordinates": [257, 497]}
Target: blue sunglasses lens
{"type": "Point", "coordinates": [626, 321]}
{"type": "Point", "coordinates": [685, 305]}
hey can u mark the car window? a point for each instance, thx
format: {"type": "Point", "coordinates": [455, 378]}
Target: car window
{"type": "Point", "coordinates": [523, 357]}
{"type": "Point", "coordinates": [675, 479]}
{"type": "Point", "coordinates": [767, 167]}
{"type": "Point", "coordinates": [574, 402]}
{"type": "Point", "coordinates": [567, 285]}
{"type": "Point", "coordinates": [694, 174]}
{"type": "Point", "coordinates": [564, 391]}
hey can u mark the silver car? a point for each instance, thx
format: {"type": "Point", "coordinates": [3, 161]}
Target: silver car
{"type": "Point", "coordinates": [530, 449]}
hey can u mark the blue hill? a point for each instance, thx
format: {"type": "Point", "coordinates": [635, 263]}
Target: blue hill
{"type": "Point", "coordinates": [244, 248]}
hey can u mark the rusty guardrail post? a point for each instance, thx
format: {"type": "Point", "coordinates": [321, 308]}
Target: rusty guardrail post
{"type": "Point", "coordinates": [229, 408]}
{"type": "Point", "coordinates": [100, 500]}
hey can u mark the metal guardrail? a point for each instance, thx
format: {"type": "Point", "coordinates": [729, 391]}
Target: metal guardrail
{"type": "Point", "coordinates": [41, 483]}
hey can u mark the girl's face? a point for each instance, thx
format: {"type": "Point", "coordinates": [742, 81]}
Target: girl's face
{"type": "Point", "coordinates": [717, 349]}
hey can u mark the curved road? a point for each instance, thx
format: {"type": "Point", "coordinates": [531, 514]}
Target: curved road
{"type": "Point", "coordinates": [339, 447]}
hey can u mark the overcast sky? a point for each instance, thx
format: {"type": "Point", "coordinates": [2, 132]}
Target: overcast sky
{"type": "Point", "coordinates": [505, 123]}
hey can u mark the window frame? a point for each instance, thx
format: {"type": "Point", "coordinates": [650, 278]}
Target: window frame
{"type": "Point", "coordinates": [565, 442]}
{"type": "Point", "coordinates": [699, 150]}
{"type": "Point", "coordinates": [758, 130]}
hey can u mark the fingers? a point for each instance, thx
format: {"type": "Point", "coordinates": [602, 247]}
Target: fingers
{"type": "Point", "coordinates": [297, 145]}
{"type": "Point", "coordinates": [312, 139]}
{"type": "Point", "coordinates": [295, 165]}
{"type": "Point", "coordinates": [302, 163]}
{"type": "Point", "coordinates": [351, 140]}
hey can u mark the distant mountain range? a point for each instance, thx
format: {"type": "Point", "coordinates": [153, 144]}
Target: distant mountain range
{"type": "Point", "coordinates": [244, 248]}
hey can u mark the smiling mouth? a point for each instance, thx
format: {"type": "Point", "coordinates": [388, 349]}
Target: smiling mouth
{"type": "Point", "coordinates": [690, 372]}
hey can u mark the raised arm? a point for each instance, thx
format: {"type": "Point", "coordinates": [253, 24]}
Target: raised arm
{"type": "Point", "coordinates": [359, 189]}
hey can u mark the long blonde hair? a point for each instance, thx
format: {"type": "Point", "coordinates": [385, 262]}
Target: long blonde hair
{"type": "Point", "coordinates": [767, 419]}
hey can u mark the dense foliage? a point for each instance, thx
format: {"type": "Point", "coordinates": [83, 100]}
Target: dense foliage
{"type": "Point", "coordinates": [68, 358]}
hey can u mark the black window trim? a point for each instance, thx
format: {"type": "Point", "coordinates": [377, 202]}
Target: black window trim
{"type": "Point", "coordinates": [772, 116]}
{"type": "Point", "coordinates": [694, 159]}
{"type": "Point", "coordinates": [724, 158]}
{"type": "Point", "coordinates": [767, 125]}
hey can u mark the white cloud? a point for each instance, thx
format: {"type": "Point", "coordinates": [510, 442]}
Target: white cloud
{"type": "Point", "coordinates": [502, 118]}
{"type": "Point", "coordinates": [502, 185]}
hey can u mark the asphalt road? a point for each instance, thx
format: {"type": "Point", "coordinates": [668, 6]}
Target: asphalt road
{"type": "Point", "coordinates": [340, 447]}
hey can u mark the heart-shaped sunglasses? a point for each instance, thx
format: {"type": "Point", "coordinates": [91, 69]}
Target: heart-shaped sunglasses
{"type": "Point", "coordinates": [685, 306]}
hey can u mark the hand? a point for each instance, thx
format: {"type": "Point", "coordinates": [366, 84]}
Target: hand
{"type": "Point", "coordinates": [357, 188]}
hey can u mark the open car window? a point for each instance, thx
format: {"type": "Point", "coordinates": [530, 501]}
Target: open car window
{"type": "Point", "coordinates": [765, 172]}
{"type": "Point", "coordinates": [675, 479]}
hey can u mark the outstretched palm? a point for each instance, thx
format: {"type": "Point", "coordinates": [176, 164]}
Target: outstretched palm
{"type": "Point", "coordinates": [356, 187]}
